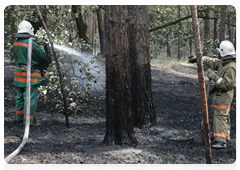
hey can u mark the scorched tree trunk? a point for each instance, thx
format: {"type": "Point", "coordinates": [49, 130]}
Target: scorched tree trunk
{"type": "Point", "coordinates": [101, 31]}
{"type": "Point", "coordinates": [128, 73]}
{"type": "Point", "coordinates": [119, 116]}
{"type": "Point", "coordinates": [141, 89]}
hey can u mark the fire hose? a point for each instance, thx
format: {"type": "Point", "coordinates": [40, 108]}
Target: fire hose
{"type": "Point", "coordinates": [28, 90]}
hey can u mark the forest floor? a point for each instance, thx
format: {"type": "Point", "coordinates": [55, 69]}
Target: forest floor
{"type": "Point", "coordinates": [178, 108]}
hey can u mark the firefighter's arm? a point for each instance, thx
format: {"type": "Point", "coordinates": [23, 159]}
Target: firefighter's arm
{"type": "Point", "coordinates": [228, 81]}
{"type": "Point", "coordinates": [208, 62]}
{"type": "Point", "coordinates": [38, 51]}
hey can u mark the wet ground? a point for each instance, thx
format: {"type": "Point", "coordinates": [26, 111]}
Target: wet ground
{"type": "Point", "coordinates": [178, 107]}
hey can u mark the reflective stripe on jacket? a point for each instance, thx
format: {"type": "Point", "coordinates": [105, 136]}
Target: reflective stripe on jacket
{"type": "Point", "coordinates": [20, 78]}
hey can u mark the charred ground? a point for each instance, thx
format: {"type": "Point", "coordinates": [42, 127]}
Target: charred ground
{"type": "Point", "coordinates": [178, 108]}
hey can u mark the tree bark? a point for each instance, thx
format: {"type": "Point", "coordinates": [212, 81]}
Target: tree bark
{"type": "Point", "coordinates": [223, 22]}
{"type": "Point", "coordinates": [119, 115]}
{"type": "Point", "coordinates": [206, 33]}
{"type": "Point", "coordinates": [179, 38]}
{"type": "Point", "coordinates": [168, 47]}
{"type": "Point", "coordinates": [93, 32]}
{"type": "Point", "coordinates": [142, 105]}
{"type": "Point", "coordinates": [201, 80]}
{"type": "Point", "coordinates": [235, 39]}
{"type": "Point", "coordinates": [82, 27]}
{"type": "Point", "coordinates": [190, 46]}
{"type": "Point", "coordinates": [215, 29]}
{"type": "Point", "coordinates": [128, 73]}
{"type": "Point", "coordinates": [229, 28]}
{"type": "Point", "coordinates": [101, 31]}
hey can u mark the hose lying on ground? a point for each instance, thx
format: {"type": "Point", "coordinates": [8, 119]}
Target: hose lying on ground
{"type": "Point", "coordinates": [27, 123]}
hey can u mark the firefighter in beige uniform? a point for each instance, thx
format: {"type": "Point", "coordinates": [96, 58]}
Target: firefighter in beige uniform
{"type": "Point", "coordinates": [225, 80]}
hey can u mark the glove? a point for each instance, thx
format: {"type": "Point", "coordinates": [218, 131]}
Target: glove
{"type": "Point", "coordinates": [38, 40]}
{"type": "Point", "coordinates": [192, 59]}
{"type": "Point", "coordinates": [211, 75]}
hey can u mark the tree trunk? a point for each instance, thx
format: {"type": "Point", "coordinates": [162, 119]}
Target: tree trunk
{"type": "Point", "coordinates": [81, 26]}
{"type": "Point", "coordinates": [206, 33]}
{"type": "Point", "coordinates": [215, 29]}
{"type": "Point", "coordinates": [101, 31]}
{"type": "Point", "coordinates": [119, 115]}
{"type": "Point", "coordinates": [229, 28]}
{"type": "Point", "coordinates": [190, 46]}
{"type": "Point", "coordinates": [128, 72]}
{"type": "Point", "coordinates": [235, 39]}
{"type": "Point", "coordinates": [168, 47]}
{"type": "Point", "coordinates": [179, 38]}
{"type": "Point", "coordinates": [189, 26]}
{"type": "Point", "coordinates": [223, 22]}
{"type": "Point", "coordinates": [93, 32]}
{"type": "Point", "coordinates": [13, 30]}
{"type": "Point", "coordinates": [38, 24]}
{"type": "Point", "coordinates": [142, 105]}
{"type": "Point", "coordinates": [201, 80]}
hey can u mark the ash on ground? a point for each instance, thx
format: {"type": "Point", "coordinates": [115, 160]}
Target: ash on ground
{"type": "Point", "coordinates": [178, 107]}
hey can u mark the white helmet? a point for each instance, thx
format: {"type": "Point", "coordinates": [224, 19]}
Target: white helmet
{"type": "Point", "coordinates": [25, 27]}
{"type": "Point", "coordinates": [226, 49]}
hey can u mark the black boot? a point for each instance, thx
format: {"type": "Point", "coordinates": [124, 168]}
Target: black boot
{"type": "Point", "coordinates": [219, 145]}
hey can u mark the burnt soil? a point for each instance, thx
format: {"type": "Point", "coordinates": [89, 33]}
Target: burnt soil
{"type": "Point", "coordinates": [178, 107]}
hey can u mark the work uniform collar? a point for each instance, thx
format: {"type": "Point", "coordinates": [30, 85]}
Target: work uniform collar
{"type": "Point", "coordinates": [24, 35]}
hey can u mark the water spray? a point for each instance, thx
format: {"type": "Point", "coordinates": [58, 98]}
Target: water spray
{"type": "Point", "coordinates": [95, 67]}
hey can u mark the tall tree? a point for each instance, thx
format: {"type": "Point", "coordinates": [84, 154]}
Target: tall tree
{"type": "Point", "coordinates": [128, 74]}
{"type": "Point", "coordinates": [201, 80]}
{"type": "Point", "coordinates": [81, 26]}
{"type": "Point", "coordinates": [101, 31]}
{"type": "Point", "coordinates": [215, 29]}
{"type": "Point", "coordinates": [236, 38]}
{"type": "Point", "coordinates": [168, 47]}
{"type": "Point", "coordinates": [179, 38]}
{"type": "Point", "coordinates": [206, 32]}
{"type": "Point", "coordinates": [93, 25]}
{"type": "Point", "coordinates": [223, 22]}
{"type": "Point", "coordinates": [119, 116]}
{"type": "Point", "coordinates": [168, 41]}
{"type": "Point", "coordinates": [229, 28]}
{"type": "Point", "coordinates": [142, 105]}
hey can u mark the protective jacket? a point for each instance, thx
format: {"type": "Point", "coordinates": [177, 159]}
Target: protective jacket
{"type": "Point", "coordinates": [222, 97]}
{"type": "Point", "coordinates": [226, 80]}
{"type": "Point", "coordinates": [20, 50]}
